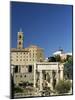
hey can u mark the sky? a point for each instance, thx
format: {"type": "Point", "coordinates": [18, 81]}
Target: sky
{"type": "Point", "coordinates": [48, 26]}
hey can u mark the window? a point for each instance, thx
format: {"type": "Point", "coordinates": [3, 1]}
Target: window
{"type": "Point", "coordinates": [30, 68]}
{"type": "Point", "coordinates": [19, 43]}
{"type": "Point", "coordinates": [40, 54]}
{"type": "Point", "coordinates": [19, 36]}
{"type": "Point", "coordinates": [17, 56]}
{"type": "Point", "coordinates": [16, 59]}
{"type": "Point", "coordinates": [20, 75]}
{"type": "Point", "coordinates": [16, 69]}
{"type": "Point", "coordinates": [24, 75]}
{"type": "Point", "coordinates": [33, 54]}
{"type": "Point", "coordinates": [30, 55]}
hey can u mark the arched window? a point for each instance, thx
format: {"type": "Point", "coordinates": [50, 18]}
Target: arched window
{"type": "Point", "coordinates": [19, 36]}
{"type": "Point", "coordinates": [19, 43]}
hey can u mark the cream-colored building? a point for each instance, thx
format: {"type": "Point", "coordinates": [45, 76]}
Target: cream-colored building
{"type": "Point", "coordinates": [23, 59]}
{"type": "Point", "coordinates": [29, 65]}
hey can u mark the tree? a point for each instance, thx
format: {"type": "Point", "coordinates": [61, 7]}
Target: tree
{"type": "Point", "coordinates": [56, 58]}
{"type": "Point", "coordinates": [68, 68]}
{"type": "Point", "coordinates": [17, 89]}
{"type": "Point", "coordinates": [63, 87]}
{"type": "Point", "coordinates": [52, 59]}
{"type": "Point", "coordinates": [68, 57]}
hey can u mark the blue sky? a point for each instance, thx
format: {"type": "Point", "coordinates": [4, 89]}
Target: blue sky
{"type": "Point", "coordinates": [48, 26]}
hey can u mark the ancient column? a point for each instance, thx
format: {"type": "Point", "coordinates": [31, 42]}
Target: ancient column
{"type": "Point", "coordinates": [40, 80]}
{"type": "Point", "coordinates": [57, 76]}
{"type": "Point", "coordinates": [34, 75]}
{"type": "Point", "coordinates": [61, 72]}
{"type": "Point", "coordinates": [51, 80]}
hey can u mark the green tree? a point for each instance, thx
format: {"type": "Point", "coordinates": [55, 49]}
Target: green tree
{"type": "Point", "coordinates": [52, 59]}
{"type": "Point", "coordinates": [56, 58]}
{"type": "Point", "coordinates": [63, 87]}
{"type": "Point", "coordinates": [68, 68]}
{"type": "Point", "coordinates": [17, 89]}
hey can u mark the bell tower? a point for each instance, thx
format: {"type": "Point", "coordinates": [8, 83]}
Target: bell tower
{"type": "Point", "coordinates": [20, 39]}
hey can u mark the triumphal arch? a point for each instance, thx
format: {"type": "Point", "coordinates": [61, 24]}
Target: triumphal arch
{"type": "Point", "coordinates": [47, 73]}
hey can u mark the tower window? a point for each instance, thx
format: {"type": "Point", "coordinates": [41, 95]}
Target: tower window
{"type": "Point", "coordinates": [20, 37]}
{"type": "Point", "coordinates": [30, 68]}
{"type": "Point", "coordinates": [19, 43]}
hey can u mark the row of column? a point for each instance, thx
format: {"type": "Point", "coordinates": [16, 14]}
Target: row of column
{"type": "Point", "coordinates": [58, 76]}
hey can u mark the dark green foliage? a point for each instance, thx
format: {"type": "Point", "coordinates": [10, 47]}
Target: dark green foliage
{"type": "Point", "coordinates": [68, 68]}
{"type": "Point", "coordinates": [18, 89]}
{"type": "Point", "coordinates": [46, 91]}
{"type": "Point", "coordinates": [55, 59]}
{"type": "Point", "coordinates": [63, 87]}
{"type": "Point", "coordinates": [52, 59]}
{"type": "Point", "coordinates": [58, 58]}
{"type": "Point", "coordinates": [68, 65]}
{"type": "Point", "coordinates": [25, 84]}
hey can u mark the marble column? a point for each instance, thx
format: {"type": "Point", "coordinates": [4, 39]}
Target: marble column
{"type": "Point", "coordinates": [61, 74]}
{"type": "Point", "coordinates": [57, 76]}
{"type": "Point", "coordinates": [51, 80]}
{"type": "Point", "coordinates": [40, 80]}
{"type": "Point", "coordinates": [34, 75]}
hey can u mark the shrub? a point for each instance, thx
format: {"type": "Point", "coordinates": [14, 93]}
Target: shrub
{"type": "Point", "coordinates": [63, 87]}
{"type": "Point", "coordinates": [18, 89]}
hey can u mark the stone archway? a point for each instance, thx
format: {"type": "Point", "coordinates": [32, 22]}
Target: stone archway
{"type": "Point", "coordinates": [48, 71]}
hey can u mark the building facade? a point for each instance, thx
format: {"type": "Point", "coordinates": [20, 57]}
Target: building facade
{"type": "Point", "coordinates": [29, 65]}
{"type": "Point", "coordinates": [23, 60]}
